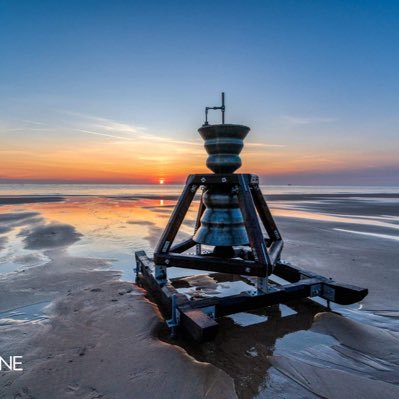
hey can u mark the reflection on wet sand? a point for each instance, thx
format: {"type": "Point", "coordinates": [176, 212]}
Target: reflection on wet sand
{"type": "Point", "coordinates": [24, 314]}
{"type": "Point", "coordinates": [337, 218]}
{"type": "Point", "coordinates": [244, 352]}
{"type": "Point", "coordinates": [365, 233]}
{"type": "Point", "coordinates": [269, 352]}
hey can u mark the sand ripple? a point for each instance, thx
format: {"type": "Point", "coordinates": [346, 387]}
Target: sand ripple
{"type": "Point", "coordinates": [365, 363]}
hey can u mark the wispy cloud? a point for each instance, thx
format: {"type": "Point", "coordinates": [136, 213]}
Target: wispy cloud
{"type": "Point", "coordinates": [28, 121]}
{"type": "Point", "coordinates": [307, 120]}
{"type": "Point", "coordinates": [264, 145]}
{"type": "Point", "coordinates": [97, 123]}
{"type": "Point", "coordinates": [106, 135]}
{"type": "Point", "coordinates": [124, 131]}
{"type": "Point", "coordinates": [169, 140]}
{"type": "Point", "coordinates": [23, 126]}
{"type": "Point", "coordinates": [157, 158]}
{"type": "Point", "coordinates": [114, 126]}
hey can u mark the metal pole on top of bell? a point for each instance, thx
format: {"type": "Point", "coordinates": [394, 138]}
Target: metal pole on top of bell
{"type": "Point", "coordinates": [223, 108]}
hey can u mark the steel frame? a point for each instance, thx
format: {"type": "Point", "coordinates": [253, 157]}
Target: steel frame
{"type": "Point", "coordinates": [261, 260]}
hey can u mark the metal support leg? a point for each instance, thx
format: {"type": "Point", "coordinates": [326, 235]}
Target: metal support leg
{"type": "Point", "coordinates": [262, 284]}
{"type": "Point", "coordinates": [198, 249]}
{"type": "Point", "coordinates": [254, 231]}
{"type": "Point", "coordinates": [174, 321]}
{"type": "Point", "coordinates": [137, 271]}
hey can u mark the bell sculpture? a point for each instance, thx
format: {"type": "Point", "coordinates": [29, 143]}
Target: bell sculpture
{"type": "Point", "coordinates": [232, 211]}
{"type": "Point", "coordinates": [222, 224]}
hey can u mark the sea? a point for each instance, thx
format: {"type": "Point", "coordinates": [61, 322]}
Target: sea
{"type": "Point", "coordinates": [171, 189]}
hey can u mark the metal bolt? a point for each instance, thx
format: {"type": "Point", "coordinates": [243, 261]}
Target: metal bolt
{"type": "Point", "coordinates": [224, 180]}
{"type": "Point", "coordinates": [254, 179]}
{"type": "Point", "coordinates": [203, 180]}
{"type": "Point", "coordinates": [235, 190]}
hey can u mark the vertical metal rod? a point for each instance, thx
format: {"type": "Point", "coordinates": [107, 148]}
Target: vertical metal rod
{"type": "Point", "coordinates": [223, 107]}
{"type": "Point", "coordinates": [172, 323]}
{"type": "Point", "coordinates": [201, 209]}
{"type": "Point", "coordinates": [137, 270]}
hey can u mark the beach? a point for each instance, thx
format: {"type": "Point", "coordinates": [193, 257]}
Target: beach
{"type": "Point", "coordinates": [69, 305]}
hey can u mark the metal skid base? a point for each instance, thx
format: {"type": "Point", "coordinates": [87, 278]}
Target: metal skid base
{"type": "Point", "coordinates": [198, 318]}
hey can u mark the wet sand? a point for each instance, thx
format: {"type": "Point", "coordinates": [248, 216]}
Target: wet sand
{"type": "Point", "coordinates": [98, 340]}
{"type": "Point", "coordinates": [99, 335]}
{"type": "Point", "coordinates": [25, 199]}
{"type": "Point", "coordinates": [363, 364]}
{"type": "Point", "coordinates": [355, 356]}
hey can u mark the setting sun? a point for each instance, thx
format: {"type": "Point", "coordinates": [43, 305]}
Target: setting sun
{"type": "Point", "coordinates": [161, 181]}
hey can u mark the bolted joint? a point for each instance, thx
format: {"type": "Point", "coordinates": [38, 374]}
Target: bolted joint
{"type": "Point", "coordinates": [235, 190]}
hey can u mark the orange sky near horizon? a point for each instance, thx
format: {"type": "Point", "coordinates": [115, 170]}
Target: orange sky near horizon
{"type": "Point", "coordinates": [80, 148]}
{"type": "Point", "coordinates": [148, 159]}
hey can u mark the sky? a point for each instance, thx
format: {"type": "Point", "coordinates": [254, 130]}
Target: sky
{"type": "Point", "coordinates": [114, 91]}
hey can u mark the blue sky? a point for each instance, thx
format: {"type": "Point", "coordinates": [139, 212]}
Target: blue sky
{"type": "Point", "coordinates": [317, 82]}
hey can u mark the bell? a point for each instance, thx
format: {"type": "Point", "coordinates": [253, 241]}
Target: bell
{"type": "Point", "coordinates": [223, 143]}
{"type": "Point", "coordinates": [222, 224]}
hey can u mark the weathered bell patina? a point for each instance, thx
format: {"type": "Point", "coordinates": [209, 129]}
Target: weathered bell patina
{"type": "Point", "coordinates": [223, 143]}
{"type": "Point", "coordinates": [222, 224]}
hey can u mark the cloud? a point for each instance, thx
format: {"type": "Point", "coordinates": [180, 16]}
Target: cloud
{"type": "Point", "coordinates": [23, 126]}
{"type": "Point", "coordinates": [30, 122]}
{"type": "Point", "coordinates": [169, 140]}
{"type": "Point", "coordinates": [113, 126]}
{"type": "Point", "coordinates": [91, 148]}
{"type": "Point", "coordinates": [157, 158]}
{"type": "Point", "coordinates": [120, 130]}
{"type": "Point", "coordinates": [106, 123]}
{"type": "Point", "coordinates": [112, 129]}
{"type": "Point", "coordinates": [257, 145]}
{"type": "Point", "coordinates": [124, 131]}
{"type": "Point", "coordinates": [105, 135]}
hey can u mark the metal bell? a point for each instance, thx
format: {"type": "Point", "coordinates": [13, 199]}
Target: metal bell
{"type": "Point", "coordinates": [222, 223]}
{"type": "Point", "coordinates": [223, 143]}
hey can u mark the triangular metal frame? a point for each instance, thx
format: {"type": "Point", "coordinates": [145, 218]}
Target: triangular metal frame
{"type": "Point", "coordinates": [264, 251]}
{"type": "Point", "coordinates": [197, 317]}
